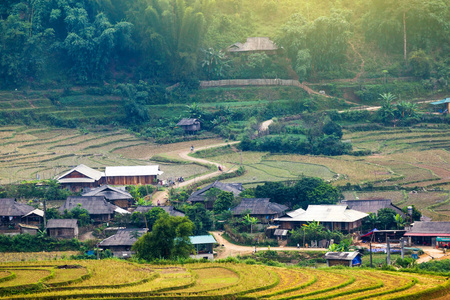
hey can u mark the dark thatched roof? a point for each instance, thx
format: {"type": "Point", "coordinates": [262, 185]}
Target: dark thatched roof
{"type": "Point", "coordinates": [62, 223]}
{"type": "Point", "coordinates": [9, 207]}
{"type": "Point", "coordinates": [95, 205]}
{"type": "Point", "coordinates": [109, 192]}
{"type": "Point", "coordinates": [199, 196]}
{"type": "Point", "coordinates": [429, 229]}
{"type": "Point", "coordinates": [124, 237]}
{"type": "Point", "coordinates": [372, 206]}
{"type": "Point", "coordinates": [188, 122]}
{"type": "Point", "coordinates": [168, 209]}
{"type": "Point", "coordinates": [259, 206]}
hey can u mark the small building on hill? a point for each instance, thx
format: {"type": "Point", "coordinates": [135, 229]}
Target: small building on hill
{"type": "Point", "coordinates": [190, 125]}
{"type": "Point", "coordinates": [372, 206]}
{"type": "Point", "coordinates": [62, 228]}
{"type": "Point", "coordinates": [172, 211]}
{"type": "Point", "coordinates": [254, 45]}
{"type": "Point", "coordinates": [260, 208]}
{"type": "Point", "coordinates": [200, 196]}
{"type": "Point", "coordinates": [132, 175]}
{"type": "Point", "coordinates": [28, 229]}
{"type": "Point", "coordinates": [117, 196]}
{"type": "Point", "coordinates": [12, 212]}
{"type": "Point", "coordinates": [350, 259]}
{"type": "Point", "coordinates": [203, 245]}
{"type": "Point", "coordinates": [426, 233]}
{"type": "Point", "coordinates": [332, 217]}
{"type": "Point", "coordinates": [80, 177]}
{"type": "Point", "coordinates": [120, 243]}
{"type": "Point", "coordinates": [99, 209]}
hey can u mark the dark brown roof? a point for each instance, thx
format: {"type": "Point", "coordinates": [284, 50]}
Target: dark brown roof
{"type": "Point", "coordinates": [259, 206]}
{"type": "Point", "coordinates": [372, 206]}
{"type": "Point", "coordinates": [168, 209]}
{"type": "Point", "coordinates": [62, 223]}
{"type": "Point", "coordinates": [95, 205]}
{"type": "Point", "coordinates": [109, 192]}
{"type": "Point", "coordinates": [188, 122]}
{"type": "Point", "coordinates": [123, 237]}
{"type": "Point", "coordinates": [199, 196]}
{"type": "Point", "coordinates": [9, 207]}
{"type": "Point", "coordinates": [430, 228]}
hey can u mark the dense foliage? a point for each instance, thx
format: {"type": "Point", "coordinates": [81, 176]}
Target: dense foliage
{"type": "Point", "coordinates": [53, 42]}
{"type": "Point", "coordinates": [36, 243]}
{"type": "Point", "coordinates": [46, 189]}
{"type": "Point", "coordinates": [306, 191]}
{"type": "Point", "coordinates": [168, 239]}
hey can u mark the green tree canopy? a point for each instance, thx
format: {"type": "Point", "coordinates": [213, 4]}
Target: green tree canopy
{"type": "Point", "coordinates": [223, 202]}
{"type": "Point", "coordinates": [169, 239]}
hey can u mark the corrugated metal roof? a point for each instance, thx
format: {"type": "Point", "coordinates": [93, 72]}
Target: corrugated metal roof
{"type": "Point", "coordinates": [429, 229]}
{"type": "Point", "coordinates": [132, 171]}
{"type": "Point", "coordinates": [327, 213]}
{"type": "Point", "coordinates": [85, 170]}
{"type": "Point", "coordinates": [254, 44]}
{"type": "Point", "coordinates": [341, 255]}
{"type": "Point", "coordinates": [62, 223]}
{"type": "Point", "coordinates": [280, 232]}
{"type": "Point", "coordinates": [295, 213]}
{"type": "Point", "coordinates": [187, 122]}
{"type": "Point", "coordinates": [202, 239]}
{"type": "Point", "coordinates": [37, 212]}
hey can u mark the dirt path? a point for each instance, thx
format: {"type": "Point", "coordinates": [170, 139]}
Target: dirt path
{"type": "Point", "coordinates": [265, 125]}
{"type": "Point", "coordinates": [163, 196]}
{"type": "Point", "coordinates": [361, 67]}
{"type": "Point", "coordinates": [228, 249]}
{"type": "Point", "coordinates": [430, 254]}
{"type": "Point", "coordinates": [87, 236]}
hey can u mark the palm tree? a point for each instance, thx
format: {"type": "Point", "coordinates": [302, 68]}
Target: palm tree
{"type": "Point", "coordinates": [400, 221]}
{"type": "Point", "coordinates": [386, 112]}
{"type": "Point", "coordinates": [251, 221]}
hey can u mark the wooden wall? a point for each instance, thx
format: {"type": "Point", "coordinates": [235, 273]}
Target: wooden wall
{"type": "Point", "coordinates": [131, 180]}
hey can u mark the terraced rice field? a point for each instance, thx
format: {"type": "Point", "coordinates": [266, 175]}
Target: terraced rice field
{"type": "Point", "coordinates": [113, 279]}
{"type": "Point", "coordinates": [30, 153]}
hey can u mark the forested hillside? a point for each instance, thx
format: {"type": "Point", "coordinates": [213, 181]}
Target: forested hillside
{"type": "Point", "coordinates": [54, 43]}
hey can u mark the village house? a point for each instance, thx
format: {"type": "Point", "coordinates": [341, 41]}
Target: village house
{"type": "Point", "coordinates": [99, 209]}
{"type": "Point", "coordinates": [200, 196]}
{"type": "Point", "coordinates": [350, 259]}
{"type": "Point", "coordinates": [203, 245]}
{"type": "Point", "coordinates": [426, 233]}
{"type": "Point", "coordinates": [372, 206]}
{"type": "Point", "coordinates": [254, 45]}
{"type": "Point", "coordinates": [115, 195]}
{"type": "Point", "coordinates": [332, 217]}
{"type": "Point", "coordinates": [172, 211]}
{"type": "Point", "coordinates": [12, 213]}
{"type": "Point", "coordinates": [260, 208]}
{"type": "Point", "coordinates": [80, 177]}
{"type": "Point", "coordinates": [132, 175]}
{"type": "Point", "coordinates": [189, 125]}
{"type": "Point", "coordinates": [120, 243]}
{"type": "Point", "coordinates": [62, 228]}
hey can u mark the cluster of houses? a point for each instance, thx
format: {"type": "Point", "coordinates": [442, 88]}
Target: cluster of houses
{"type": "Point", "coordinates": [103, 200]}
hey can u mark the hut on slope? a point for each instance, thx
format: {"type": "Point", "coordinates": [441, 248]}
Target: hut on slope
{"type": "Point", "coordinates": [117, 196]}
{"type": "Point", "coordinates": [260, 208]}
{"type": "Point", "coordinates": [62, 228]}
{"type": "Point", "coordinates": [254, 45]}
{"type": "Point", "coordinates": [120, 243]}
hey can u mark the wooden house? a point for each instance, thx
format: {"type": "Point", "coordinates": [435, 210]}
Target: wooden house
{"type": "Point", "coordinates": [62, 228]}
{"type": "Point", "coordinates": [132, 175]}
{"type": "Point", "coordinates": [12, 212]}
{"type": "Point", "coordinates": [28, 229]}
{"type": "Point", "coordinates": [350, 259]}
{"type": "Point", "coordinates": [117, 196]}
{"type": "Point", "coordinates": [203, 245]}
{"type": "Point", "coordinates": [172, 211]}
{"type": "Point", "coordinates": [254, 45]}
{"type": "Point", "coordinates": [426, 233]}
{"type": "Point", "coordinates": [190, 125]}
{"type": "Point", "coordinates": [99, 209]}
{"type": "Point", "coordinates": [332, 217]}
{"type": "Point", "coordinates": [80, 177]}
{"type": "Point", "coordinates": [120, 243]}
{"type": "Point", "coordinates": [199, 196]}
{"type": "Point", "coordinates": [34, 217]}
{"type": "Point", "coordinates": [260, 208]}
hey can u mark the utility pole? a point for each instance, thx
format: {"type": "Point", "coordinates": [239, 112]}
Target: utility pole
{"type": "Point", "coordinates": [388, 252]}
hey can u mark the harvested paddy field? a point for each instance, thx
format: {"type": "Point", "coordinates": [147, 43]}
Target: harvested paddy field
{"type": "Point", "coordinates": [101, 279]}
